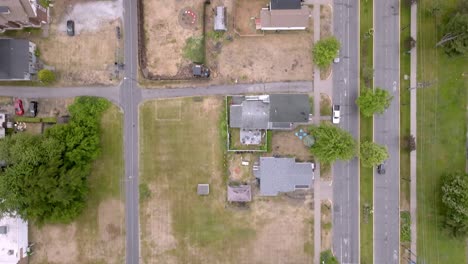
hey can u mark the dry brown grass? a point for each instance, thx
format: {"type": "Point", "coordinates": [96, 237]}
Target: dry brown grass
{"type": "Point", "coordinates": [326, 225]}
{"type": "Point", "coordinates": [285, 143]}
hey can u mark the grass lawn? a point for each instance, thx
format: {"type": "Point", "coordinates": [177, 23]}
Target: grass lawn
{"type": "Point", "coordinates": [441, 134]}
{"type": "Point", "coordinates": [366, 130]}
{"type": "Point", "coordinates": [97, 235]}
{"type": "Point", "coordinates": [178, 226]}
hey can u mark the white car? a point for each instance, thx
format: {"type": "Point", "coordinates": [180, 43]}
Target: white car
{"type": "Point", "coordinates": [336, 114]}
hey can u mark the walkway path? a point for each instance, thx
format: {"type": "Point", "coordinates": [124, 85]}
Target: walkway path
{"type": "Point", "coordinates": [413, 129]}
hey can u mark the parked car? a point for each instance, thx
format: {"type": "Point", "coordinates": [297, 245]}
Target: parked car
{"type": "Point", "coordinates": [381, 168]}
{"type": "Point", "coordinates": [33, 108]}
{"type": "Point", "coordinates": [336, 114]}
{"type": "Point", "coordinates": [19, 110]}
{"type": "Point", "coordinates": [117, 31]}
{"type": "Point", "coordinates": [70, 28]}
{"type": "Point", "coordinates": [200, 71]}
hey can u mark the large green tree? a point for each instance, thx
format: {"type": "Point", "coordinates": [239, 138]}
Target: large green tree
{"type": "Point", "coordinates": [332, 143]}
{"type": "Point", "coordinates": [455, 40]}
{"type": "Point", "coordinates": [324, 51]}
{"type": "Point", "coordinates": [372, 154]}
{"type": "Point", "coordinates": [45, 179]}
{"type": "Point", "coordinates": [373, 101]}
{"type": "Point", "coordinates": [455, 202]}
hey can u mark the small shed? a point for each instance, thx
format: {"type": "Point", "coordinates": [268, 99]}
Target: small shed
{"type": "Point", "coordinates": [220, 19]}
{"type": "Point", "coordinates": [241, 193]}
{"type": "Point", "coordinates": [203, 189]}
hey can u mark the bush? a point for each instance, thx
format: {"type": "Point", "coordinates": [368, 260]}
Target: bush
{"type": "Point", "coordinates": [46, 76]}
{"type": "Point", "coordinates": [145, 192]}
{"type": "Point", "coordinates": [324, 51]}
{"type": "Point", "coordinates": [37, 52]}
{"type": "Point", "coordinates": [44, 3]}
{"type": "Point", "coordinates": [194, 49]}
{"type": "Point", "coordinates": [326, 257]}
{"type": "Point", "coordinates": [405, 226]}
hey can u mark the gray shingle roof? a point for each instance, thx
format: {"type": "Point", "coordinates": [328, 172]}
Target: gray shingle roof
{"type": "Point", "coordinates": [250, 115]}
{"type": "Point", "coordinates": [294, 108]}
{"type": "Point", "coordinates": [285, 4]}
{"type": "Point", "coordinates": [241, 193]}
{"type": "Point", "coordinates": [283, 175]}
{"type": "Point", "coordinates": [14, 62]}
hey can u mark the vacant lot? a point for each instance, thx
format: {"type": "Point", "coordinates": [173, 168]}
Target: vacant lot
{"type": "Point", "coordinates": [88, 57]}
{"type": "Point", "coordinates": [273, 57]}
{"type": "Point", "coordinates": [166, 35]}
{"type": "Point", "coordinates": [98, 235]}
{"type": "Point", "coordinates": [441, 138]}
{"type": "Point", "coordinates": [178, 226]}
{"type": "Point", "coordinates": [245, 14]}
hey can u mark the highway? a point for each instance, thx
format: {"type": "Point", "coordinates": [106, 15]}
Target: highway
{"type": "Point", "coordinates": [387, 131]}
{"type": "Point", "coordinates": [345, 92]}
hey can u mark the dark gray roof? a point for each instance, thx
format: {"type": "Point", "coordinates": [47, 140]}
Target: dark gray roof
{"type": "Point", "coordinates": [203, 189]}
{"type": "Point", "coordinates": [250, 115]}
{"type": "Point", "coordinates": [235, 116]}
{"type": "Point", "coordinates": [285, 4]}
{"type": "Point", "coordinates": [283, 175]}
{"type": "Point", "coordinates": [291, 108]}
{"type": "Point", "coordinates": [14, 62]}
{"type": "Point", "coordinates": [4, 9]}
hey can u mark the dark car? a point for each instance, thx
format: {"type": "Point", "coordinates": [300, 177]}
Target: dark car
{"type": "Point", "coordinates": [33, 108]}
{"type": "Point", "coordinates": [381, 168]}
{"type": "Point", "coordinates": [70, 28]}
{"type": "Point", "coordinates": [19, 110]}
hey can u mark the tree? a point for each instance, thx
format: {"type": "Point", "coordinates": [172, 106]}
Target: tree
{"type": "Point", "coordinates": [411, 141]}
{"type": "Point", "coordinates": [326, 257]}
{"type": "Point", "coordinates": [332, 143]}
{"type": "Point", "coordinates": [46, 175]}
{"type": "Point", "coordinates": [455, 202]}
{"type": "Point", "coordinates": [373, 101]}
{"type": "Point", "coordinates": [455, 40]}
{"type": "Point", "coordinates": [46, 76]}
{"type": "Point", "coordinates": [372, 154]}
{"type": "Point", "coordinates": [324, 51]}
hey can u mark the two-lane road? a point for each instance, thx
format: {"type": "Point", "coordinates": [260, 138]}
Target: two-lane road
{"type": "Point", "coordinates": [346, 173]}
{"type": "Point", "coordinates": [387, 132]}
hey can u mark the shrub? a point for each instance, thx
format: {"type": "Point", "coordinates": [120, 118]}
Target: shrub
{"type": "Point", "coordinates": [46, 76]}
{"type": "Point", "coordinates": [324, 51]}
{"type": "Point", "coordinates": [145, 192]}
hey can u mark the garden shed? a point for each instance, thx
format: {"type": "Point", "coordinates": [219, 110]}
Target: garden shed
{"type": "Point", "coordinates": [220, 19]}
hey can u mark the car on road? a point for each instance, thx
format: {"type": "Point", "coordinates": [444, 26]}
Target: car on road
{"type": "Point", "coordinates": [19, 110]}
{"type": "Point", "coordinates": [71, 28]}
{"type": "Point", "coordinates": [33, 108]}
{"type": "Point", "coordinates": [381, 168]}
{"type": "Point", "coordinates": [336, 114]}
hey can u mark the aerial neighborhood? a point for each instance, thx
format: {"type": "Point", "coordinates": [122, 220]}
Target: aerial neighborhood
{"type": "Point", "coordinates": [233, 131]}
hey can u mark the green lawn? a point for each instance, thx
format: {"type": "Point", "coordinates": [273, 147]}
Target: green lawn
{"type": "Point", "coordinates": [441, 134]}
{"type": "Point", "coordinates": [404, 108]}
{"type": "Point", "coordinates": [178, 155]}
{"type": "Point", "coordinates": [366, 130]}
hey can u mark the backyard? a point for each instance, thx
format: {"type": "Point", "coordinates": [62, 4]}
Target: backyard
{"type": "Point", "coordinates": [441, 133]}
{"type": "Point", "coordinates": [88, 57]}
{"type": "Point", "coordinates": [98, 235]}
{"type": "Point", "coordinates": [178, 226]}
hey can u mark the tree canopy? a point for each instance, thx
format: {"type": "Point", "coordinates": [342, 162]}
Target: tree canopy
{"type": "Point", "coordinates": [46, 76]}
{"type": "Point", "coordinates": [45, 179]}
{"type": "Point", "coordinates": [372, 154]}
{"type": "Point", "coordinates": [332, 143]}
{"type": "Point", "coordinates": [455, 202]}
{"type": "Point", "coordinates": [373, 101]}
{"type": "Point", "coordinates": [324, 51]}
{"type": "Point", "coordinates": [456, 32]}
{"type": "Point", "coordinates": [326, 257]}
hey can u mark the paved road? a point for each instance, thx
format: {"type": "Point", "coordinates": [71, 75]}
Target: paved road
{"type": "Point", "coordinates": [386, 132]}
{"type": "Point", "coordinates": [346, 174]}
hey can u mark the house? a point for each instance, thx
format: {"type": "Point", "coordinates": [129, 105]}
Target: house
{"type": "Point", "coordinates": [220, 19]}
{"type": "Point", "coordinates": [241, 193]}
{"type": "Point", "coordinates": [284, 15]}
{"type": "Point", "coordinates": [262, 112]}
{"type": "Point", "coordinates": [19, 14]}
{"type": "Point", "coordinates": [13, 240]}
{"type": "Point", "coordinates": [280, 175]}
{"type": "Point", "coordinates": [18, 61]}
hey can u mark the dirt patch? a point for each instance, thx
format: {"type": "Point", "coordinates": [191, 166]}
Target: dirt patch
{"type": "Point", "coordinates": [325, 172]}
{"type": "Point", "coordinates": [165, 36]}
{"type": "Point", "coordinates": [288, 144]}
{"type": "Point", "coordinates": [109, 225]}
{"type": "Point", "coordinates": [245, 13]}
{"type": "Point", "coordinates": [88, 57]}
{"type": "Point", "coordinates": [325, 105]}
{"type": "Point", "coordinates": [326, 15]}
{"type": "Point", "coordinates": [237, 171]}
{"type": "Point", "coordinates": [326, 225]}
{"type": "Point", "coordinates": [274, 57]}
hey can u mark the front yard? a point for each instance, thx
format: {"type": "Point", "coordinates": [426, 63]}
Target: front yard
{"type": "Point", "coordinates": [178, 226]}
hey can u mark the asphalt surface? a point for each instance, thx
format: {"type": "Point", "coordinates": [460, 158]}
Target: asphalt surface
{"type": "Point", "coordinates": [387, 132]}
{"type": "Point", "coordinates": [346, 173]}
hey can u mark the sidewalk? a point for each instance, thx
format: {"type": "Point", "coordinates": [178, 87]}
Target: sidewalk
{"type": "Point", "coordinates": [413, 129]}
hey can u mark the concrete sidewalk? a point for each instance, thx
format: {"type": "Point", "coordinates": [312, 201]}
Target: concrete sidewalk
{"type": "Point", "coordinates": [413, 129]}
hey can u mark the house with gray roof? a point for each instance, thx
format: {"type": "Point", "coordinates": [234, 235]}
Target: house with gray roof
{"type": "Point", "coordinates": [276, 111]}
{"type": "Point", "coordinates": [284, 15]}
{"type": "Point", "coordinates": [19, 14]}
{"type": "Point", "coordinates": [18, 61]}
{"type": "Point", "coordinates": [280, 175]}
